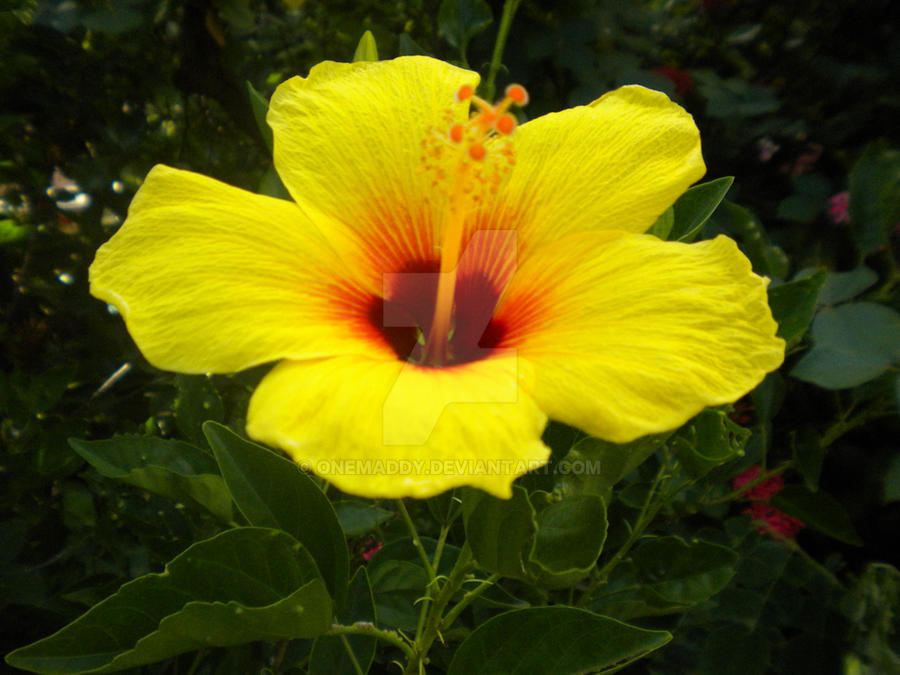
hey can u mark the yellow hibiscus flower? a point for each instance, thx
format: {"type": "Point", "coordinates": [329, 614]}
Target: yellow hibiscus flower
{"type": "Point", "coordinates": [443, 283]}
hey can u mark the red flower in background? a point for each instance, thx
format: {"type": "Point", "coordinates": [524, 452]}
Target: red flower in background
{"type": "Point", "coordinates": [760, 509]}
{"type": "Point", "coordinates": [680, 78]}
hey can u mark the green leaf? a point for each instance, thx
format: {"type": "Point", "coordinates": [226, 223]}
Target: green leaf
{"type": "Point", "coordinates": [553, 641]}
{"type": "Point", "coordinates": [197, 402]}
{"type": "Point", "coordinates": [736, 221]}
{"type": "Point", "coordinates": [366, 50]}
{"type": "Point", "coordinates": [875, 197]}
{"type": "Point", "coordinates": [891, 486]}
{"type": "Point", "coordinates": [271, 185]}
{"type": "Point", "coordinates": [461, 20]}
{"type": "Point", "coordinates": [358, 517]}
{"type": "Point", "coordinates": [445, 507]}
{"type": "Point", "coordinates": [675, 571]}
{"type": "Point", "coordinates": [399, 579]}
{"type": "Point", "coordinates": [397, 587]}
{"type": "Point", "coordinates": [603, 463]}
{"type": "Point", "coordinates": [406, 46]}
{"type": "Point", "coordinates": [570, 536]}
{"type": "Point", "coordinates": [329, 656]}
{"type": "Point", "coordinates": [817, 510]}
{"type": "Point", "coordinates": [695, 206]}
{"type": "Point", "coordinates": [840, 286]}
{"type": "Point", "coordinates": [10, 231]}
{"type": "Point", "coordinates": [274, 492]}
{"type": "Point", "coordinates": [794, 305]}
{"type": "Point", "coordinates": [733, 650]}
{"type": "Point", "coordinates": [811, 192]}
{"type": "Point", "coordinates": [852, 344]}
{"type": "Point", "coordinates": [500, 532]}
{"type": "Point", "coordinates": [663, 225]}
{"type": "Point", "coordinates": [171, 469]}
{"type": "Point", "coordinates": [260, 107]}
{"type": "Point", "coordinates": [707, 441]}
{"type": "Point", "coordinates": [243, 585]}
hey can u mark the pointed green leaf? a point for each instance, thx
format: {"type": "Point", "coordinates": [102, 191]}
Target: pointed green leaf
{"type": "Point", "coordinates": [695, 206]}
{"type": "Point", "coordinates": [553, 641]}
{"type": "Point", "coordinates": [672, 570]}
{"type": "Point", "coordinates": [358, 517]}
{"type": "Point", "coordinates": [273, 492]}
{"type": "Point", "coordinates": [663, 225]}
{"type": "Point", "coordinates": [243, 585]}
{"type": "Point", "coordinates": [172, 469]}
{"type": "Point", "coordinates": [366, 50]}
{"type": "Point", "coordinates": [794, 305]}
{"type": "Point", "coordinates": [329, 655]}
{"type": "Point", "coordinates": [500, 532]}
{"type": "Point", "coordinates": [260, 107]}
{"type": "Point", "coordinates": [817, 510]}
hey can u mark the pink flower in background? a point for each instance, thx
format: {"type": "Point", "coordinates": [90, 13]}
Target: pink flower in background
{"type": "Point", "coordinates": [839, 207]}
{"type": "Point", "coordinates": [760, 509]}
{"type": "Point", "coordinates": [372, 547]}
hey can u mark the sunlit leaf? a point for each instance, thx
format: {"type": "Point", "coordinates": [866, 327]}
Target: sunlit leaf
{"type": "Point", "coordinates": [366, 50]}
{"type": "Point", "coordinates": [172, 469]}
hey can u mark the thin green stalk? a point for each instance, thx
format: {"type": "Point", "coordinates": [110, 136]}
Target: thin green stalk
{"type": "Point", "coordinates": [369, 629]}
{"type": "Point", "coordinates": [645, 517]}
{"type": "Point", "coordinates": [434, 622]}
{"type": "Point", "coordinates": [351, 655]}
{"type": "Point", "coordinates": [417, 542]}
{"type": "Point", "coordinates": [509, 11]}
{"type": "Point", "coordinates": [467, 599]}
{"type": "Point", "coordinates": [198, 659]}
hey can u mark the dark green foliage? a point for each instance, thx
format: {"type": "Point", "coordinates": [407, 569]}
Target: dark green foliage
{"type": "Point", "coordinates": [110, 469]}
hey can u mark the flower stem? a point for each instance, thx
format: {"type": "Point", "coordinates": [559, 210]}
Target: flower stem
{"type": "Point", "coordinates": [509, 11]}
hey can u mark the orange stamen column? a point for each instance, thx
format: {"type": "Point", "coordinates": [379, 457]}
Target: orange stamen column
{"type": "Point", "coordinates": [469, 141]}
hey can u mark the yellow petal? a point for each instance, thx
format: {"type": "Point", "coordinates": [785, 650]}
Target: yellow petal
{"type": "Point", "coordinates": [211, 278]}
{"type": "Point", "coordinates": [385, 428]}
{"type": "Point", "coordinates": [628, 335]}
{"type": "Point", "coordinates": [614, 165]}
{"type": "Point", "coordinates": [348, 144]}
